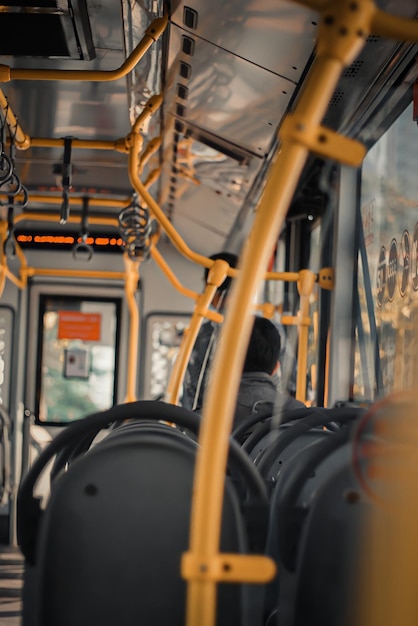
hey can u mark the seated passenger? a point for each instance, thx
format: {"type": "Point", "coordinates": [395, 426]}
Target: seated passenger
{"type": "Point", "coordinates": [259, 390]}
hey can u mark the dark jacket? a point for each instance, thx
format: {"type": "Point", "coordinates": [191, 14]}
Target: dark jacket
{"type": "Point", "coordinates": [258, 393]}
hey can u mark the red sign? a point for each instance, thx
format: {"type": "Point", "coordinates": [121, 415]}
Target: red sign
{"type": "Point", "coordinates": [76, 325]}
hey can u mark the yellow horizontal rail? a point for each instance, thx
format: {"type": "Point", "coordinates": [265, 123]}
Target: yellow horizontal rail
{"type": "Point", "coordinates": [73, 201]}
{"type": "Point", "coordinates": [152, 33]}
{"type": "Point", "coordinates": [69, 273]}
{"type": "Point", "coordinates": [117, 145]}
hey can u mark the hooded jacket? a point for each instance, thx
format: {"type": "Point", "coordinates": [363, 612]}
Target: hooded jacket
{"type": "Point", "coordinates": [258, 393]}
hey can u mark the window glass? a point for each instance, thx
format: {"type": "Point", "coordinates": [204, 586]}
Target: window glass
{"type": "Point", "coordinates": [164, 333]}
{"type": "Point", "coordinates": [77, 359]}
{"type": "Point", "coordinates": [387, 339]}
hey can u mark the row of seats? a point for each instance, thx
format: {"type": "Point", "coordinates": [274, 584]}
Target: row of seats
{"type": "Point", "coordinates": [107, 548]}
{"type": "Point", "coordinates": [313, 523]}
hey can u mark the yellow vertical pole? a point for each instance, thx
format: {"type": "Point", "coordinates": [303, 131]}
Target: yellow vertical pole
{"type": "Point", "coordinates": [186, 347]}
{"type": "Point", "coordinates": [306, 283]}
{"type": "Point", "coordinates": [220, 400]}
{"type": "Point", "coordinates": [216, 276]}
{"type": "Point", "coordinates": [131, 287]}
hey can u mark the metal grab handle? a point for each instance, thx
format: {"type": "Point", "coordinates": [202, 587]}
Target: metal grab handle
{"type": "Point", "coordinates": [82, 251]}
{"type": "Point", "coordinates": [66, 181]}
{"type": "Point", "coordinates": [5, 173]}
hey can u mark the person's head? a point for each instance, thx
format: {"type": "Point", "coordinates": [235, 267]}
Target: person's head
{"type": "Point", "coordinates": [232, 260]}
{"type": "Point", "coordinates": [264, 347]}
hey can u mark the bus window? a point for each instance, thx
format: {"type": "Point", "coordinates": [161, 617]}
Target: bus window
{"type": "Point", "coordinates": [76, 357]}
{"type": "Point", "coordinates": [163, 335]}
{"type": "Point", "coordinates": [386, 343]}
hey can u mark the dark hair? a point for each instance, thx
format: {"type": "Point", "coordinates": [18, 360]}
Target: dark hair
{"type": "Point", "coordinates": [264, 347]}
{"type": "Point", "coordinates": [232, 261]}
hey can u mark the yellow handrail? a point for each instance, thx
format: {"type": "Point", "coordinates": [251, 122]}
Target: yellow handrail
{"type": "Point", "coordinates": [152, 33]}
{"type": "Point", "coordinates": [131, 287]}
{"type": "Point", "coordinates": [21, 139]}
{"type": "Point", "coordinates": [171, 276]}
{"type": "Point", "coordinates": [305, 287]}
{"type": "Point", "coordinates": [200, 564]}
{"type": "Point", "coordinates": [118, 145]}
{"type": "Point", "coordinates": [216, 276]}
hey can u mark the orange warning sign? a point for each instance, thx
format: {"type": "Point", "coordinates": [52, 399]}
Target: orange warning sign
{"type": "Point", "coordinates": [76, 325]}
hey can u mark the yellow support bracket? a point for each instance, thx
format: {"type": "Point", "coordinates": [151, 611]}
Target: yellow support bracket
{"type": "Point", "coordinates": [326, 278]}
{"type": "Point", "coordinates": [295, 320]}
{"type": "Point", "coordinates": [324, 142]}
{"type": "Point", "coordinates": [228, 568]}
{"type": "Point", "coordinates": [151, 148]}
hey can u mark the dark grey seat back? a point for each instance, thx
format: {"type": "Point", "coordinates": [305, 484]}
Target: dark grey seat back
{"type": "Point", "coordinates": [107, 549]}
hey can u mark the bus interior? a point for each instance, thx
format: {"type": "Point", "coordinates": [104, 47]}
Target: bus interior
{"type": "Point", "coordinates": [138, 138]}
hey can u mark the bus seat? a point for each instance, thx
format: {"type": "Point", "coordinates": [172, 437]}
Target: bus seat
{"type": "Point", "coordinates": [270, 452]}
{"type": "Point", "coordinates": [297, 506]}
{"type": "Point", "coordinates": [327, 564]}
{"type": "Point", "coordinates": [110, 540]}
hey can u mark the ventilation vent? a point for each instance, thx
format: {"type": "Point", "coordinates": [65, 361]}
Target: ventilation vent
{"type": "Point", "coordinates": [46, 29]}
{"type": "Point", "coordinates": [353, 69]}
{"type": "Point", "coordinates": [336, 98]}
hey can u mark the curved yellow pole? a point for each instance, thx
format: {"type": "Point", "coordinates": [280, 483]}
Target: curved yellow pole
{"type": "Point", "coordinates": [216, 276]}
{"type": "Point", "coordinates": [134, 167]}
{"type": "Point", "coordinates": [171, 276]}
{"type": "Point", "coordinates": [201, 566]}
{"type": "Point", "coordinates": [162, 219]}
{"type": "Point", "coordinates": [22, 140]}
{"type": "Point", "coordinates": [152, 33]}
{"type": "Point", "coordinates": [210, 315]}
{"type": "Point", "coordinates": [151, 148]}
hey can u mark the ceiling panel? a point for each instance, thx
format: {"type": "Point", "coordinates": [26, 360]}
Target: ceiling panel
{"type": "Point", "coordinates": [273, 34]}
{"type": "Point", "coordinates": [229, 96]}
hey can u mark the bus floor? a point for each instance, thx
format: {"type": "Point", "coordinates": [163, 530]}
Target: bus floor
{"type": "Point", "coordinates": [11, 578]}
